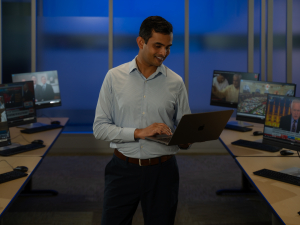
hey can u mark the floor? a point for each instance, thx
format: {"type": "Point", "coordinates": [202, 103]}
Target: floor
{"type": "Point", "coordinates": [79, 181]}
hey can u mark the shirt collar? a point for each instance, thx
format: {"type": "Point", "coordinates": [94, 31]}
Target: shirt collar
{"type": "Point", "coordinates": [160, 70]}
{"type": "Point", "coordinates": [295, 120]}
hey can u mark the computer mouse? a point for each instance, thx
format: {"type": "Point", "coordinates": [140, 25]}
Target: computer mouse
{"type": "Point", "coordinates": [21, 169]}
{"type": "Point", "coordinates": [55, 122]}
{"type": "Point", "coordinates": [256, 133]}
{"type": "Point", "coordinates": [286, 152]}
{"type": "Point", "coordinates": [39, 142]}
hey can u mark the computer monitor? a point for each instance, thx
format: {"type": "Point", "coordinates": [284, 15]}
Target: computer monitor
{"type": "Point", "coordinates": [46, 87]}
{"type": "Point", "coordinates": [225, 87]}
{"type": "Point", "coordinates": [19, 103]}
{"type": "Point", "coordinates": [280, 129]}
{"type": "Point", "coordinates": [4, 129]}
{"type": "Point", "coordinates": [253, 98]}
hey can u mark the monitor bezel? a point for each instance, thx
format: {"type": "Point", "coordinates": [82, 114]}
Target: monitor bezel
{"type": "Point", "coordinates": [256, 119]}
{"type": "Point", "coordinates": [279, 142]}
{"type": "Point", "coordinates": [227, 104]}
{"type": "Point", "coordinates": [24, 122]}
{"type": "Point", "coordinates": [44, 105]}
{"type": "Point", "coordinates": [8, 140]}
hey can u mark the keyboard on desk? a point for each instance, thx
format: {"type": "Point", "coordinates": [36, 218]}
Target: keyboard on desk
{"type": "Point", "coordinates": [12, 175]}
{"type": "Point", "coordinates": [256, 145]}
{"type": "Point", "coordinates": [237, 128]}
{"type": "Point", "coordinates": [41, 128]}
{"type": "Point", "coordinates": [278, 176]}
{"type": "Point", "coordinates": [20, 149]}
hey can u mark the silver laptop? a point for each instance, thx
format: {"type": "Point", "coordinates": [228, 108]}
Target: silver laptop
{"type": "Point", "coordinates": [197, 127]}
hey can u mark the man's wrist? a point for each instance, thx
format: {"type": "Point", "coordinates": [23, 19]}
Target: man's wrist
{"type": "Point", "coordinates": [137, 133]}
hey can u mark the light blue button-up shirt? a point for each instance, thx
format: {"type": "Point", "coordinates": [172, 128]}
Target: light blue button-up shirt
{"type": "Point", "coordinates": [129, 101]}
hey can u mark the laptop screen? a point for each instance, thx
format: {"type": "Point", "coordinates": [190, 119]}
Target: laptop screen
{"type": "Point", "coordinates": [4, 130]}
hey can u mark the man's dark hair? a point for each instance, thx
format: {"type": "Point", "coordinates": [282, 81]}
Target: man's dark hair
{"type": "Point", "coordinates": [156, 23]}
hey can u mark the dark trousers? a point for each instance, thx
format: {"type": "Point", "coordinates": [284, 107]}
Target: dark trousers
{"type": "Point", "coordinates": [127, 184]}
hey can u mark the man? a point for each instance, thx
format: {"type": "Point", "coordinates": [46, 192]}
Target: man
{"type": "Point", "coordinates": [220, 82]}
{"type": "Point", "coordinates": [27, 94]}
{"type": "Point", "coordinates": [231, 92]}
{"type": "Point", "coordinates": [139, 99]}
{"type": "Point", "coordinates": [291, 122]}
{"type": "Point", "coordinates": [37, 89]}
{"type": "Point", "coordinates": [47, 92]}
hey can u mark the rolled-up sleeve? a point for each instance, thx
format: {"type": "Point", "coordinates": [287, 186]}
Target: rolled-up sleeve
{"type": "Point", "coordinates": [104, 127]}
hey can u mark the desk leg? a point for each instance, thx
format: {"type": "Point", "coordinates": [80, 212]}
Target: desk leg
{"type": "Point", "coordinates": [29, 192]}
{"type": "Point", "coordinates": [246, 188]}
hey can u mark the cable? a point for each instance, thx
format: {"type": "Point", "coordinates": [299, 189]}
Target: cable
{"type": "Point", "coordinates": [21, 136]}
{"type": "Point", "coordinates": [44, 115]}
{"type": "Point", "coordinates": [7, 163]}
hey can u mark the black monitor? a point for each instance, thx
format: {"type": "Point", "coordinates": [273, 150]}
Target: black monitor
{"type": "Point", "coordinates": [253, 98]}
{"type": "Point", "coordinates": [19, 103]}
{"type": "Point", "coordinates": [225, 87]}
{"type": "Point", "coordinates": [280, 129]}
{"type": "Point", "coordinates": [4, 130]}
{"type": "Point", "coordinates": [46, 87]}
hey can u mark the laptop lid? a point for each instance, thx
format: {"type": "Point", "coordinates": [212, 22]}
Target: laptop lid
{"type": "Point", "coordinates": [199, 127]}
{"type": "Point", "coordinates": [4, 130]}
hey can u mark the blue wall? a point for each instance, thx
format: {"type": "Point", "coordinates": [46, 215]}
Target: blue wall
{"type": "Point", "coordinates": [73, 39]}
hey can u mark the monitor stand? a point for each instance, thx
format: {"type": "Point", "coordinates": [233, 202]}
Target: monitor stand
{"type": "Point", "coordinates": [240, 124]}
{"type": "Point", "coordinates": [33, 125]}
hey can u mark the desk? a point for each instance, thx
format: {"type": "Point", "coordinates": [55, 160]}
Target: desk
{"type": "Point", "coordinates": [49, 137]}
{"type": "Point", "coordinates": [283, 198]}
{"type": "Point", "coordinates": [228, 136]}
{"type": "Point", "coordinates": [9, 190]}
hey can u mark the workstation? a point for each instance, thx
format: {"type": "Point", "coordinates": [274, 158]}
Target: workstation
{"type": "Point", "coordinates": [77, 45]}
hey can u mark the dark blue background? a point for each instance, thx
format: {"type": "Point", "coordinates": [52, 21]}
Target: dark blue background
{"type": "Point", "coordinates": [73, 39]}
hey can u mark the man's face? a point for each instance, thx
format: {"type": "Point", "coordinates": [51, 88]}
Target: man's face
{"type": "Point", "coordinates": [220, 79]}
{"type": "Point", "coordinates": [157, 49]}
{"type": "Point", "coordinates": [236, 81]}
{"type": "Point", "coordinates": [296, 110]}
{"type": "Point", "coordinates": [33, 79]}
{"type": "Point", "coordinates": [43, 80]}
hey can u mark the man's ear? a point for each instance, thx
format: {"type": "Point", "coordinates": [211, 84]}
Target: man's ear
{"type": "Point", "coordinates": [140, 41]}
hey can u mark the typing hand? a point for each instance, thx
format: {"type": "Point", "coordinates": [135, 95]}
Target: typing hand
{"type": "Point", "coordinates": [153, 129]}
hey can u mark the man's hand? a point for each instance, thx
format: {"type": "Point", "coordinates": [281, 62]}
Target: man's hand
{"type": "Point", "coordinates": [155, 128]}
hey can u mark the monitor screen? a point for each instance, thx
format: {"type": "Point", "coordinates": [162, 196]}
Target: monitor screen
{"type": "Point", "coordinates": [253, 98]}
{"type": "Point", "coordinates": [226, 85]}
{"type": "Point", "coordinates": [46, 87]}
{"type": "Point", "coordinates": [282, 124]}
{"type": "Point", "coordinates": [19, 103]}
{"type": "Point", "coordinates": [4, 130]}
